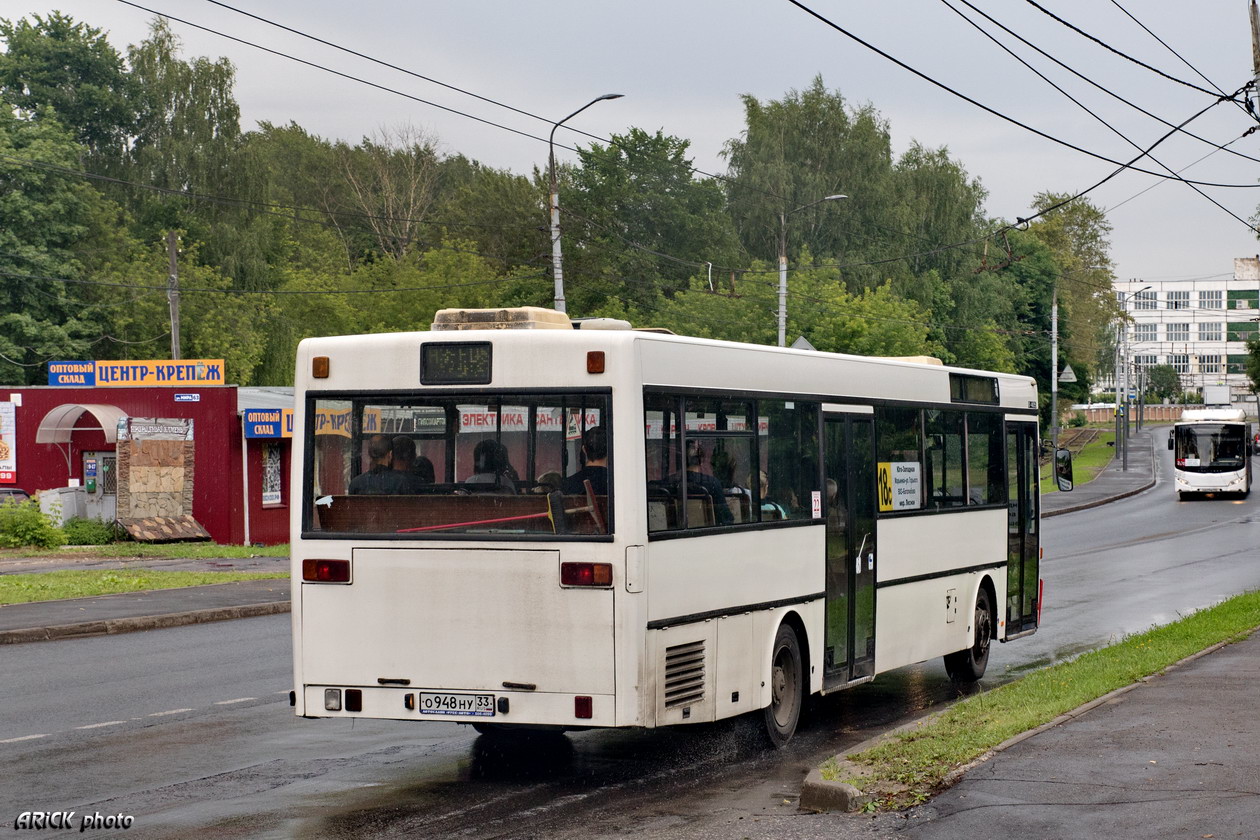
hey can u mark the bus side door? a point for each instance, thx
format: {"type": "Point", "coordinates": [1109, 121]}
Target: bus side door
{"type": "Point", "coordinates": [1023, 543]}
{"type": "Point", "coordinates": [849, 626]}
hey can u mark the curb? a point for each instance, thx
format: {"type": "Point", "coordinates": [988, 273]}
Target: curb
{"type": "Point", "coordinates": [113, 626]}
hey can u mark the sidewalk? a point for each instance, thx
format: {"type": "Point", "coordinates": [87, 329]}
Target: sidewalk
{"type": "Point", "coordinates": [1113, 482]}
{"type": "Point", "coordinates": [1175, 755]}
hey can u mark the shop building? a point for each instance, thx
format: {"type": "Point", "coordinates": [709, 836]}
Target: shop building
{"type": "Point", "coordinates": [167, 458]}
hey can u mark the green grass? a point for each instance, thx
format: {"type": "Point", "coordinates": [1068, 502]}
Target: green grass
{"type": "Point", "coordinates": [1086, 465]}
{"type": "Point", "coordinates": [81, 583]}
{"type": "Point", "coordinates": [194, 550]}
{"type": "Point", "coordinates": [908, 767]}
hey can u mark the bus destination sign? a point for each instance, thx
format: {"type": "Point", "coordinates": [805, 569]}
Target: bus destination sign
{"type": "Point", "coordinates": [455, 363]}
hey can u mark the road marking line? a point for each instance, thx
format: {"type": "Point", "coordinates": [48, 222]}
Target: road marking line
{"type": "Point", "coordinates": [99, 725]}
{"type": "Point", "coordinates": [23, 738]}
{"type": "Point", "coordinates": [237, 700]}
{"type": "Point", "coordinates": [171, 712]}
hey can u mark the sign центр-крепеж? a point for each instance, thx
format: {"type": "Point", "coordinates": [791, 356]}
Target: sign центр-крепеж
{"type": "Point", "coordinates": [122, 374]}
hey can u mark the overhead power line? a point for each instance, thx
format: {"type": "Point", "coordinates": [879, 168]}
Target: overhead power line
{"type": "Point", "coordinates": [1087, 110]}
{"type": "Point", "coordinates": [937, 83]}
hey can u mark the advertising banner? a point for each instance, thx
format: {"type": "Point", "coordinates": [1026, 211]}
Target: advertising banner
{"type": "Point", "coordinates": [8, 443]}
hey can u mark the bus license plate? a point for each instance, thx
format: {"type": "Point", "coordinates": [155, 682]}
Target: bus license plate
{"type": "Point", "coordinates": [477, 705]}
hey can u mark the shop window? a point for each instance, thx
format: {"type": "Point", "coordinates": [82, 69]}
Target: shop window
{"type": "Point", "coordinates": [272, 474]}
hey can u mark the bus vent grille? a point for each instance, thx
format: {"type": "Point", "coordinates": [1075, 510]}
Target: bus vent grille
{"type": "Point", "coordinates": [684, 674]}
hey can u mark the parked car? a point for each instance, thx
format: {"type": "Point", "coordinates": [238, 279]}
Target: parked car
{"type": "Point", "coordinates": [15, 493]}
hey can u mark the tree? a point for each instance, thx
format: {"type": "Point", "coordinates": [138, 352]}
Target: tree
{"type": "Point", "coordinates": [1077, 234]}
{"type": "Point", "coordinates": [391, 177]}
{"type": "Point", "coordinates": [54, 65]}
{"type": "Point", "coordinates": [44, 218]}
{"type": "Point", "coordinates": [796, 150]}
{"type": "Point", "coordinates": [637, 221]}
{"type": "Point", "coordinates": [1252, 364]}
{"type": "Point", "coordinates": [1163, 382]}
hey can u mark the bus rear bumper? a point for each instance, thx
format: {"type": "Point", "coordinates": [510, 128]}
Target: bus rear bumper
{"type": "Point", "coordinates": [526, 708]}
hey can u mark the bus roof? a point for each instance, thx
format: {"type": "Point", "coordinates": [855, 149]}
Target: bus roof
{"type": "Point", "coordinates": [1212, 415]}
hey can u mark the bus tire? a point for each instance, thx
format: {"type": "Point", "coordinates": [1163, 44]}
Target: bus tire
{"type": "Point", "coordinates": [968, 665]}
{"type": "Point", "coordinates": [787, 688]}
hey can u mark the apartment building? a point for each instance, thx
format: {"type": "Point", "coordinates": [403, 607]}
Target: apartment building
{"type": "Point", "coordinates": [1200, 326]}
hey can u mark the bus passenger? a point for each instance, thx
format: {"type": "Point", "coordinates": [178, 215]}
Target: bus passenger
{"type": "Point", "coordinates": [701, 484]}
{"type": "Point", "coordinates": [770, 510]}
{"type": "Point", "coordinates": [595, 464]}
{"type": "Point", "coordinates": [380, 478]}
{"type": "Point", "coordinates": [407, 483]}
{"type": "Point", "coordinates": [493, 472]}
{"type": "Point", "coordinates": [423, 470]}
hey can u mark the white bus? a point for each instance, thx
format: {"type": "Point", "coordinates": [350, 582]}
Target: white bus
{"type": "Point", "coordinates": [1211, 452]}
{"type": "Point", "coordinates": [751, 524]}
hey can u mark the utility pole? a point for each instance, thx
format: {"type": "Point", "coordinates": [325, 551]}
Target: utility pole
{"type": "Point", "coordinates": [172, 289]}
{"type": "Point", "coordinates": [1054, 367]}
{"type": "Point", "coordinates": [1254, 14]}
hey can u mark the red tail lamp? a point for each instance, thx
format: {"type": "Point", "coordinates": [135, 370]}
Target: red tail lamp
{"type": "Point", "coordinates": [583, 708]}
{"type": "Point", "coordinates": [586, 574]}
{"type": "Point", "coordinates": [326, 571]}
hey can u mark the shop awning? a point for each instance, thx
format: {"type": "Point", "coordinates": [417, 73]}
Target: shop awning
{"type": "Point", "coordinates": [59, 423]}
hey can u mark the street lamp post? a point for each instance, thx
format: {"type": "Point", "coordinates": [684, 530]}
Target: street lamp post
{"type": "Point", "coordinates": [557, 268]}
{"type": "Point", "coordinates": [783, 262]}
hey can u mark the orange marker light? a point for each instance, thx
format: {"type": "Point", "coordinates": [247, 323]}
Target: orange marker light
{"type": "Point", "coordinates": [595, 361]}
{"type": "Point", "coordinates": [319, 367]}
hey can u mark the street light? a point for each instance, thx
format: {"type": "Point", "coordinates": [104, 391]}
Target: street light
{"type": "Point", "coordinates": [783, 262]}
{"type": "Point", "coordinates": [556, 269]}
{"type": "Point", "coordinates": [1122, 384]}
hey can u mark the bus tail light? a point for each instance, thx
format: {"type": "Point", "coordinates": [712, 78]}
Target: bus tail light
{"type": "Point", "coordinates": [1041, 598]}
{"type": "Point", "coordinates": [586, 574]}
{"type": "Point", "coordinates": [583, 708]}
{"type": "Point", "coordinates": [326, 571]}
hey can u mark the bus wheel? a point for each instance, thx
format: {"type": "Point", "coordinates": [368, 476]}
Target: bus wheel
{"type": "Point", "coordinates": [968, 665]}
{"type": "Point", "coordinates": [787, 692]}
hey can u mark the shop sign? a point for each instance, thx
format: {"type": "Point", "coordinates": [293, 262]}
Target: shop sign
{"type": "Point", "coordinates": [185, 373]}
{"type": "Point", "coordinates": [268, 422]}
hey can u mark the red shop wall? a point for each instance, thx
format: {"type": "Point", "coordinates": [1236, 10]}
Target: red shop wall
{"type": "Point", "coordinates": [217, 499]}
{"type": "Point", "coordinates": [269, 524]}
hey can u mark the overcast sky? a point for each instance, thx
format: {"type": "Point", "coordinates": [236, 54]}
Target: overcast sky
{"type": "Point", "coordinates": [683, 65]}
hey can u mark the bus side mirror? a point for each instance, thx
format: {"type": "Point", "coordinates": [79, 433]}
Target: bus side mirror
{"type": "Point", "coordinates": [1063, 469]}
{"type": "Point", "coordinates": [1170, 440]}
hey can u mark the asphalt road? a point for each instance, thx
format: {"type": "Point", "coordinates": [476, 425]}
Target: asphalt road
{"type": "Point", "coordinates": [190, 731]}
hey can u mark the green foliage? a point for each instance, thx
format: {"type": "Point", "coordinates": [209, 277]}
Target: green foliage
{"type": "Point", "coordinates": [80, 531]}
{"type": "Point", "coordinates": [1163, 383]}
{"type": "Point", "coordinates": [1252, 363]}
{"type": "Point", "coordinates": [54, 67]}
{"type": "Point", "coordinates": [22, 524]}
{"type": "Point", "coordinates": [84, 583]}
{"type": "Point", "coordinates": [1077, 420]}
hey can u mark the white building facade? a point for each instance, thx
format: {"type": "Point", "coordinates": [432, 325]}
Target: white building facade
{"type": "Point", "coordinates": [1199, 326]}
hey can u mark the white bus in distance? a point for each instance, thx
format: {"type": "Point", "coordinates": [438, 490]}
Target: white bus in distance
{"type": "Point", "coordinates": [560, 528]}
{"type": "Point", "coordinates": [1211, 452]}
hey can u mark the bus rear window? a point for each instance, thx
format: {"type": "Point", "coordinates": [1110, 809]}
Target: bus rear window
{"type": "Point", "coordinates": [419, 466]}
